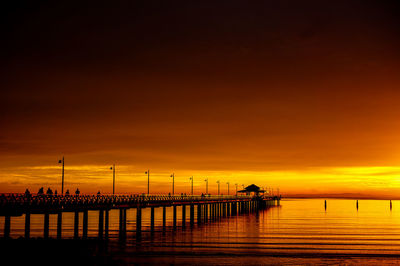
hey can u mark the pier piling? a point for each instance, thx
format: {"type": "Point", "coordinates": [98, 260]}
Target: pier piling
{"type": "Point", "coordinates": [76, 225]}
{"type": "Point", "coordinates": [174, 218]}
{"type": "Point", "coordinates": [27, 225]}
{"type": "Point", "coordinates": [101, 224]}
{"type": "Point", "coordinates": [46, 225]}
{"type": "Point", "coordinates": [85, 224]}
{"type": "Point", "coordinates": [138, 222]}
{"type": "Point", "coordinates": [59, 225]}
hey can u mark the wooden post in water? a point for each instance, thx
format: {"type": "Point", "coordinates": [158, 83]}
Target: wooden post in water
{"type": "Point", "coordinates": [152, 220]}
{"type": "Point", "coordinates": [124, 223]}
{"type": "Point", "coordinates": [214, 211]}
{"type": "Point", "coordinates": [191, 215]}
{"type": "Point", "coordinates": [138, 222]}
{"type": "Point", "coordinates": [183, 216]}
{"type": "Point", "coordinates": [27, 225]}
{"type": "Point", "coordinates": [164, 219]}
{"type": "Point", "coordinates": [76, 225]}
{"type": "Point", "coordinates": [101, 223]}
{"type": "Point", "coordinates": [174, 218]}
{"type": "Point", "coordinates": [206, 211]}
{"type": "Point", "coordinates": [106, 222]}
{"type": "Point", "coordinates": [325, 204]}
{"type": "Point", "coordinates": [357, 204]}
{"type": "Point", "coordinates": [198, 213]}
{"type": "Point", "coordinates": [7, 226]}
{"type": "Point", "coordinates": [46, 225]}
{"type": "Point", "coordinates": [85, 224]}
{"type": "Point", "coordinates": [390, 204]}
{"type": "Point", "coordinates": [121, 218]}
{"type": "Point", "coordinates": [59, 225]}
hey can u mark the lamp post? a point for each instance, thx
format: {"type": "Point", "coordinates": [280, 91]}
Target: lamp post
{"type": "Point", "coordinates": [236, 188]}
{"type": "Point", "coordinates": [218, 186]}
{"type": "Point", "coordinates": [113, 168]}
{"type": "Point", "coordinates": [173, 183]}
{"type": "Point", "coordinates": [62, 175]}
{"type": "Point", "coordinates": [206, 185]}
{"type": "Point", "coordinates": [148, 181]}
{"type": "Point", "coordinates": [191, 178]}
{"type": "Point", "coordinates": [228, 187]}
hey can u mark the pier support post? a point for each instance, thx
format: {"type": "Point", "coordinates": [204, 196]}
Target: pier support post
{"type": "Point", "coordinates": [59, 225]}
{"type": "Point", "coordinates": [46, 225]}
{"type": "Point", "coordinates": [174, 218]}
{"type": "Point", "coordinates": [27, 225]}
{"type": "Point", "coordinates": [7, 226]}
{"type": "Point", "coordinates": [198, 213]}
{"type": "Point", "coordinates": [124, 223]}
{"type": "Point", "coordinates": [101, 223]}
{"type": "Point", "coordinates": [76, 225]}
{"type": "Point", "coordinates": [164, 218]}
{"type": "Point", "coordinates": [85, 224]}
{"type": "Point", "coordinates": [138, 222]}
{"type": "Point", "coordinates": [152, 220]}
{"type": "Point", "coordinates": [106, 222]}
{"type": "Point", "coordinates": [206, 206]}
{"type": "Point", "coordinates": [121, 224]}
{"type": "Point", "coordinates": [183, 216]}
{"type": "Point", "coordinates": [191, 215]}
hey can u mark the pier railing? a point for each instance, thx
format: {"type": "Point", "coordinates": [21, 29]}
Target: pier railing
{"type": "Point", "coordinates": [16, 204]}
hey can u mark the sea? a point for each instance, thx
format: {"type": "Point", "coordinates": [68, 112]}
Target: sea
{"type": "Point", "coordinates": [298, 232]}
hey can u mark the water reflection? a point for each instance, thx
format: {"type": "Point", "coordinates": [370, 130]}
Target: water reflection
{"type": "Point", "coordinates": [297, 227]}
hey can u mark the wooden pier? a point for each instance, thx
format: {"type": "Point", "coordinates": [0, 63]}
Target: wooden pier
{"type": "Point", "coordinates": [209, 208]}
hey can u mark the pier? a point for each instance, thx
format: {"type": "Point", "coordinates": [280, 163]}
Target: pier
{"type": "Point", "coordinates": [208, 208]}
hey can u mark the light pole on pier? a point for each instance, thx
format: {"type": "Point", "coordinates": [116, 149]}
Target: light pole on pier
{"type": "Point", "coordinates": [206, 185]}
{"type": "Point", "coordinates": [218, 186]}
{"type": "Point", "coordinates": [236, 188]}
{"type": "Point", "coordinates": [148, 180]}
{"type": "Point", "coordinates": [113, 168]}
{"type": "Point", "coordinates": [173, 183]}
{"type": "Point", "coordinates": [191, 178]}
{"type": "Point", "coordinates": [62, 175]}
{"type": "Point", "coordinates": [228, 187]}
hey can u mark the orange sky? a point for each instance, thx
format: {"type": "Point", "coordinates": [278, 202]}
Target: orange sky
{"type": "Point", "coordinates": [303, 97]}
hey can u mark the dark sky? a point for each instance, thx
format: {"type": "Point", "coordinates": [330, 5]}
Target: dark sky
{"type": "Point", "coordinates": [203, 85]}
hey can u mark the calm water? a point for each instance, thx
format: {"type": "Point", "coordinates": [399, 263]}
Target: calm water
{"type": "Point", "coordinates": [297, 232]}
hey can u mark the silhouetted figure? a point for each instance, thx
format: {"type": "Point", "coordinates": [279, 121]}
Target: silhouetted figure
{"type": "Point", "coordinates": [77, 192]}
{"type": "Point", "coordinates": [49, 192]}
{"type": "Point", "coordinates": [98, 193]}
{"type": "Point", "coordinates": [55, 192]}
{"type": "Point", "coordinates": [67, 192]}
{"type": "Point", "coordinates": [41, 191]}
{"type": "Point", "coordinates": [27, 193]}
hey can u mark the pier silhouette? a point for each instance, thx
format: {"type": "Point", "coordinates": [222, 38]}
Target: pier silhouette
{"type": "Point", "coordinates": [210, 208]}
